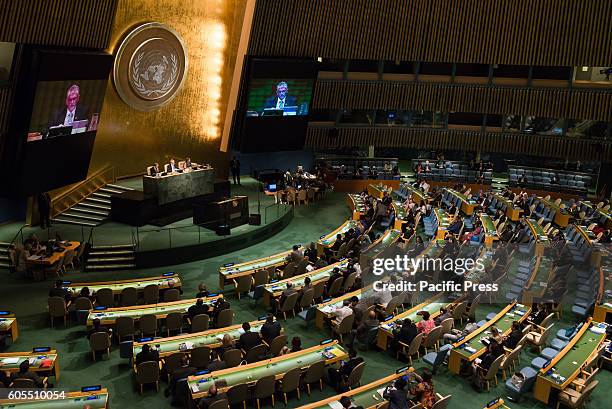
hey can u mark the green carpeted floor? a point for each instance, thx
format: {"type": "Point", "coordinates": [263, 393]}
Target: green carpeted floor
{"type": "Point", "coordinates": [28, 301]}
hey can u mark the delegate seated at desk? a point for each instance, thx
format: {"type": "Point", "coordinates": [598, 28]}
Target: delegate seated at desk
{"type": "Point", "coordinates": [172, 167]}
{"type": "Point", "coordinates": [155, 170]}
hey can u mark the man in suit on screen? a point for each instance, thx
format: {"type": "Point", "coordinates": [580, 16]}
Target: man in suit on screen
{"type": "Point", "coordinates": [72, 111]}
{"type": "Point", "coordinates": [281, 99]}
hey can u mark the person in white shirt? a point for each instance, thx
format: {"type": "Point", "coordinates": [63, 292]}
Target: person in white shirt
{"type": "Point", "coordinates": [425, 186]}
{"type": "Point", "coordinates": [342, 312]}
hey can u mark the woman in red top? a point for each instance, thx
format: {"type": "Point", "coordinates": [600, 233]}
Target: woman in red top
{"type": "Point", "coordinates": [426, 324]}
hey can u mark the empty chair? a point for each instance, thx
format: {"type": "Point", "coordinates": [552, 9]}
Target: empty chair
{"type": "Point", "coordinates": [257, 353]}
{"type": "Point", "coordinates": [509, 360]}
{"type": "Point", "coordinates": [277, 344]}
{"type": "Point", "coordinates": [447, 325]}
{"type": "Point", "coordinates": [82, 304]}
{"type": "Point", "coordinates": [343, 327]}
{"type": "Point", "coordinates": [151, 294]}
{"type": "Point", "coordinates": [68, 260]}
{"type": "Point", "coordinates": [435, 359]}
{"type": "Point", "coordinates": [124, 327]}
{"type": "Point", "coordinates": [200, 322]}
{"type": "Point", "coordinates": [238, 394]}
{"type": "Point", "coordinates": [243, 285]}
{"type": "Point", "coordinates": [349, 282]}
{"type": "Point", "coordinates": [442, 402]}
{"type": "Point", "coordinates": [105, 297]}
{"type": "Point", "coordinates": [307, 298]}
{"type": "Point", "coordinates": [200, 357]}
{"type": "Point", "coordinates": [573, 399]}
{"type": "Point", "coordinates": [129, 296]}
{"type": "Point", "coordinates": [530, 376]}
{"type": "Point", "coordinates": [289, 305]}
{"type": "Point", "coordinates": [432, 339]}
{"type": "Point", "coordinates": [538, 339]}
{"type": "Point", "coordinates": [232, 358]}
{"type": "Point", "coordinates": [290, 383]}
{"type": "Point", "coordinates": [264, 388]}
{"type": "Point", "coordinates": [319, 289]}
{"type": "Point", "coordinates": [174, 323]}
{"type": "Point", "coordinates": [172, 362]}
{"type": "Point", "coordinates": [99, 341]}
{"type": "Point", "coordinates": [57, 309]}
{"type": "Point", "coordinates": [314, 374]}
{"type": "Point", "coordinates": [147, 372]}
{"type": "Point", "coordinates": [261, 277]}
{"type": "Point", "coordinates": [225, 318]}
{"type": "Point", "coordinates": [459, 311]}
{"type": "Point", "coordinates": [148, 325]}
{"type": "Point", "coordinates": [172, 294]}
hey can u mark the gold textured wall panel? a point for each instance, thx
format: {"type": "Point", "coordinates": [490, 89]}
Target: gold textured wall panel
{"type": "Point", "coordinates": [69, 23]}
{"type": "Point", "coordinates": [492, 142]}
{"type": "Point", "coordinates": [530, 32]}
{"type": "Point", "coordinates": [191, 124]}
{"type": "Point", "coordinates": [551, 103]}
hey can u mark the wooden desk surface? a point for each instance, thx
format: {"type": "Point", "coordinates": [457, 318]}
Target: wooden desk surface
{"type": "Point", "coordinates": [277, 366]}
{"type": "Point", "coordinates": [55, 257]}
{"type": "Point", "coordinates": [117, 286]}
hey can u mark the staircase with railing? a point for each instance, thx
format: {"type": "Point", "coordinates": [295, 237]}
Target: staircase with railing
{"type": "Point", "coordinates": [88, 202]}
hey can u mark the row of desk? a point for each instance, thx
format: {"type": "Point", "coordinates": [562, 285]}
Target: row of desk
{"type": "Point", "coordinates": [460, 200]}
{"type": "Point", "coordinates": [330, 352]}
{"type": "Point", "coordinates": [163, 282]}
{"type": "Point", "coordinates": [567, 364]}
{"type": "Point", "coordinates": [470, 347]}
{"type": "Point", "coordinates": [108, 316]}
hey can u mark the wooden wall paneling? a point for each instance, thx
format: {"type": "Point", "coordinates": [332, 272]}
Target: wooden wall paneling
{"type": "Point", "coordinates": [499, 142]}
{"type": "Point", "coordinates": [552, 103]}
{"type": "Point", "coordinates": [68, 23]}
{"type": "Point", "coordinates": [540, 32]}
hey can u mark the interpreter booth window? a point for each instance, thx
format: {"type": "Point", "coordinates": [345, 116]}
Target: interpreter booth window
{"type": "Point", "coordinates": [7, 51]}
{"type": "Point", "coordinates": [357, 117]}
{"type": "Point", "coordinates": [435, 71]}
{"type": "Point", "coordinates": [543, 126]}
{"type": "Point", "coordinates": [586, 128]}
{"type": "Point", "coordinates": [465, 120]}
{"type": "Point", "coordinates": [428, 119]}
{"type": "Point", "coordinates": [513, 123]}
{"type": "Point", "coordinates": [593, 76]}
{"type": "Point", "coordinates": [392, 118]}
{"type": "Point", "coordinates": [517, 75]}
{"type": "Point", "coordinates": [471, 73]}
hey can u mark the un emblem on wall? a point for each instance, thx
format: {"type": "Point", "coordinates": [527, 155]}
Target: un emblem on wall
{"type": "Point", "coordinates": [150, 66]}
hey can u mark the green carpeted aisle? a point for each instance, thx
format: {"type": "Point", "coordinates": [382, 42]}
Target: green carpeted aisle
{"type": "Point", "coordinates": [28, 300]}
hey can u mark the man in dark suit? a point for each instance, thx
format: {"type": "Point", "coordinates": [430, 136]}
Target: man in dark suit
{"type": "Point", "coordinates": [155, 170]}
{"type": "Point", "coordinates": [59, 291]}
{"type": "Point", "coordinates": [25, 373]}
{"type": "Point", "coordinates": [181, 372]}
{"type": "Point", "coordinates": [198, 308]}
{"type": "Point", "coordinates": [270, 329]}
{"type": "Point", "coordinates": [147, 354]}
{"type": "Point", "coordinates": [405, 334]}
{"type": "Point", "coordinates": [346, 367]}
{"type": "Point", "coordinates": [72, 111]}
{"type": "Point", "coordinates": [249, 339]}
{"type": "Point", "coordinates": [173, 167]}
{"type": "Point", "coordinates": [98, 327]}
{"type": "Point", "coordinates": [44, 209]}
{"type": "Point", "coordinates": [281, 99]}
{"type": "Point", "coordinates": [212, 397]}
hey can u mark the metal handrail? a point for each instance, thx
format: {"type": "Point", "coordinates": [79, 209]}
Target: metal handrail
{"type": "Point", "coordinates": [20, 232]}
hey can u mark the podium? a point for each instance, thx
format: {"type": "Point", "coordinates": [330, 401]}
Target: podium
{"type": "Point", "coordinates": [222, 215]}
